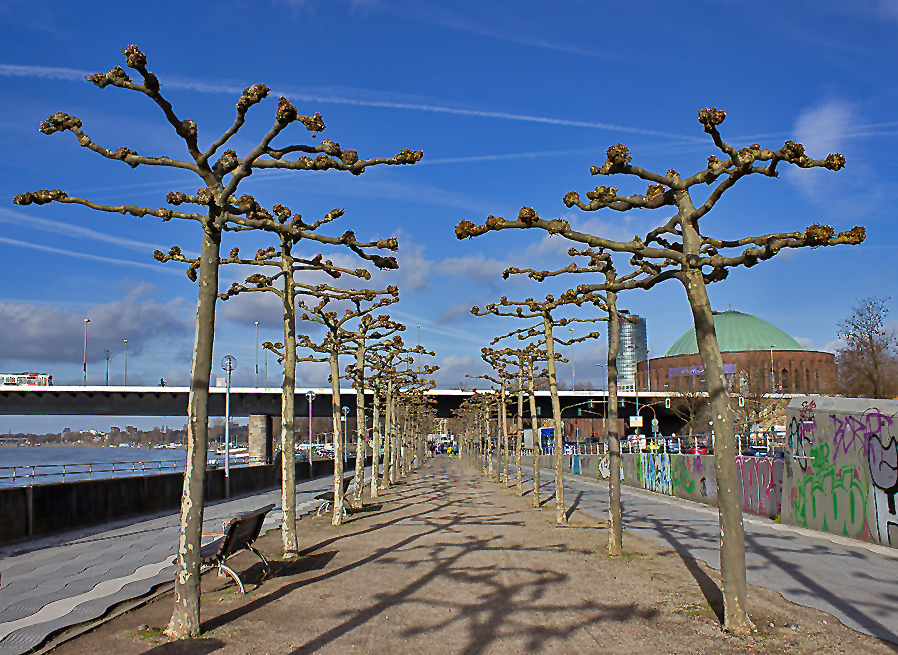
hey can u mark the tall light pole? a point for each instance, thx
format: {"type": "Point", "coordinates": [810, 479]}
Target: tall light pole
{"type": "Point", "coordinates": [573, 374]}
{"type": "Point", "coordinates": [86, 321]}
{"type": "Point", "coordinates": [106, 350]}
{"type": "Point", "coordinates": [772, 370]}
{"type": "Point", "coordinates": [311, 396]}
{"type": "Point", "coordinates": [345, 424]}
{"type": "Point", "coordinates": [126, 362]}
{"type": "Point", "coordinates": [228, 363]}
{"type": "Point", "coordinates": [257, 354]}
{"type": "Point", "coordinates": [419, 345]}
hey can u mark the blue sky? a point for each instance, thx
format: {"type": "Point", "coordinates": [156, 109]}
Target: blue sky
{"type": "Point", "coordinates": [511, 104]}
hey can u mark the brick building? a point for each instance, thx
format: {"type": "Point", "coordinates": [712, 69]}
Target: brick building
{"type": "Point", "coordinates": [758, 358]}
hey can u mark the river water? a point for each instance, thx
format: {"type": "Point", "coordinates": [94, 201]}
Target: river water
{"type": "Point", "coordinates": [47, 464]}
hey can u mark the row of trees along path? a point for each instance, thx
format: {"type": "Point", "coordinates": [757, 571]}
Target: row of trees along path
{"type": "Point", "coordinates": [678, 249]}
{"type": "Point", "coordinates": [219, 211]}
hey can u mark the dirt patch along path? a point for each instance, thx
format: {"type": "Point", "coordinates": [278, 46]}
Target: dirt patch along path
{"type": "Point", "coordinates": [452, 563]}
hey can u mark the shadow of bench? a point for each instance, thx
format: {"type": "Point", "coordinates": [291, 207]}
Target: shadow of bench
{"type": "Point", "coordinates": [239, 534]}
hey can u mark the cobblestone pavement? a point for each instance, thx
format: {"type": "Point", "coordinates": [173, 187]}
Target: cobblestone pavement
{"type": "Point", "coordinates": [47, 589]}
{"type": "Point", "coordinates": [852, 580]}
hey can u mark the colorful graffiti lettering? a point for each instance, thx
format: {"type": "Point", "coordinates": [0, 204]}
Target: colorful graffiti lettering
{"type": "Point", "coordinates": [604, 468]}
{"type": "Point", "coordinates": [655, 470]}
{"type": "Point", "coordinates": [855, 434]}
{"type": "Point", "coordinates": [883, 462]}
{"type": "Point", "coordinates": [761, 485]}
{"type": "Point", "coordinates": [829, 499]}
{"type": "Point", "coordinates": [682, 481]}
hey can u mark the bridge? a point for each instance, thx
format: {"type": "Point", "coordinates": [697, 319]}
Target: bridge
{"type": "Point", "coordinates": [253, 401]}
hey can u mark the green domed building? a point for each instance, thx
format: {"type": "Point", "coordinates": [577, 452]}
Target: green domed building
{"type": "Point", "coordinates": [751, 347]}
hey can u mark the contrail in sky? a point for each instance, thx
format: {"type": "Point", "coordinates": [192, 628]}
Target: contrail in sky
{"type": "Point", "coordinates": [97, 258]}
{"type": "Point", "coordinates": [321, 95]}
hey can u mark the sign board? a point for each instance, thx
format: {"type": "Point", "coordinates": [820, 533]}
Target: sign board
{"type": "Point", "coordinates": [635, 421]}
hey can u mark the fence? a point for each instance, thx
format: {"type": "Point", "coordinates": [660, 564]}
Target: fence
{"type": "Point", "coordinates": [30, 475]}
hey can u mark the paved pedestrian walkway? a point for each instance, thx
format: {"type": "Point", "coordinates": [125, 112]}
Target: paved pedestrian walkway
{"type": "Point", "coordinates": [854, 581]}
{"type": "Point", "coordinates": [48, 589]}
{"type": "Point", "coordinates": [449, 563]}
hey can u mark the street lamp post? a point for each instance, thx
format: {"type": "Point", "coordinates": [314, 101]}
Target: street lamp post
{"type": "Point", "coordinates": [772, 370]}
{"type": "Point", "coordinates": [311, 396]}
{"type": "Point", "coordinates": [257, 354]}
{"type": "Point", "coordinates": [419, 346]}
{"type": "Point", "coordinates": [345, 423]}
{"type": "Point", "coordinates": [86, 321]}
{"type": "Point", "coordinates": [573, 374]}
{"type": "Point", "coordinates": [228, 363]}
{"type": "Point", "coordinates": [106, 350]}
{"type": "Point", "coordinates": [126, 362]}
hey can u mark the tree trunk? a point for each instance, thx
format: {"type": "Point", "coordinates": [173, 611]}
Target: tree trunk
{"type": "Point", "coordinates": [560, 513]}
{"type": "Point", "coordinates": [492, 472]}
{"type": "Point", "coordinates": [337, 518]}
{"type": "Point", "coordinates": [615, 521]}
{"type": "Point", "coordinates": [185, 619]}
{"type": "Point", "coordinates": [503, 418]}
{"type": "Point", "coordinates": [375, 439]}
{"type": "Point", "coordinates": [519, 442]}
{"type": "Point", "coordinates": [534, 431]}
{"type": "Point", "coordinates": [360, 425]}
{"type": "Point", "coordinates": [729, 502]}
{"type": "Point", "coordinates": [386, 478]}
{"type": "Point", "coordinates": [288, 437]}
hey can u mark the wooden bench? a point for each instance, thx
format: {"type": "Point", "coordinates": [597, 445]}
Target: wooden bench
{"type": "Point", "coordinates": [327, 497]}
{"type": "Point", "coordinates": [239, 534]}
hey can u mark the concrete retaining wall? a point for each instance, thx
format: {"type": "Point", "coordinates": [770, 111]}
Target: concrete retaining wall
{"type": "Point", "coordinates": [842, 467]}
{"type": "Point", "coordinates": [51, 508]}
{"type": "Point", "coordinates": [691, 477]}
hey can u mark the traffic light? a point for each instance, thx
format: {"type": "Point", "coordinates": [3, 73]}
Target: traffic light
{"type": "Point", "coordinates": [741, 401]}
{"type": "Point", "coordinates": [667, 403]}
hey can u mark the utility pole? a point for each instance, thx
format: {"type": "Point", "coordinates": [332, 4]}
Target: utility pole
{"type": "Point", "coordinates": [87, 320]}
{"type": "Point", "coordinates": [106, 350]}
{"type": "Point", "coordinates": [126, 362]}
{"type": "Point", "coordinates": [257, 354]}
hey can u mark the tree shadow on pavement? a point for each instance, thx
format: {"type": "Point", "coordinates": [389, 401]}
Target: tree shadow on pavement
{"type": "Point", "coordinates": [712, 593]}
{"type": "Point", "coordinates": [187, 647]}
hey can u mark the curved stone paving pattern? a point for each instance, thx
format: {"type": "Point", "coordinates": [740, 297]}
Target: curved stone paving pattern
{"type": "Point", "coordinates": [48, 590]}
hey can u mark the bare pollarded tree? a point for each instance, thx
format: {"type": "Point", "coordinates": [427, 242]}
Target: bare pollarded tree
{"type": "Point", "coordinates": [604, 297]}
{"type": "Point", "coordinates": [543, 311]}
{"type": "Point", "coordinates": [284, 284]}
{"type": "Point", "coordinates": [327, 314]}
{"type": "Point", "coordinates": [677, 249]}
{"type": "Point", "coordinates": [216, 208]}
{"type": "Point", "coordinates": [379, 328]}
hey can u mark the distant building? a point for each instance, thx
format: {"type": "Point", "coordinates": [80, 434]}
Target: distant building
{"type": "Point", "coordinates": [758, 357]}
{"type": "Point", "coordinates": [632, 348]}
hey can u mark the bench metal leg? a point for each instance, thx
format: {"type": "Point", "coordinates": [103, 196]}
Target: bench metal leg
{"type": "Point", "coordinates": [233, 574]}
{"type": "Point", "coordinates": [265, 566]}
{"type": "Point", "coordinates": [324, 507]}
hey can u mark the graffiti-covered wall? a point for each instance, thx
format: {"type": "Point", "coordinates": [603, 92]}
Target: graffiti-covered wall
{"type": "Point", "coordinates": [693, 477]}
{"type": "Point", "coordinates": [842, 467]}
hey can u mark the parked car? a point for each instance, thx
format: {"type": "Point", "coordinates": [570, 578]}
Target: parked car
{"type": "Point", "coordinates": [697, 449]}
{"type": "Point", "coordinates": [755, 451]}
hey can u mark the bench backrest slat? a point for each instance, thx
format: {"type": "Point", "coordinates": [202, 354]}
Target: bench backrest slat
{"type": "Point", "coordinates": [242, 530]}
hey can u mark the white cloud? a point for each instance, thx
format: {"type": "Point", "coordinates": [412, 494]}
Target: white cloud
{"type": "Point", "coordinates": [48, 334]}
{"type": "Point", "coordinates": [822, 130]}
{"type": "Point", "coordinates": [804, 342]}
